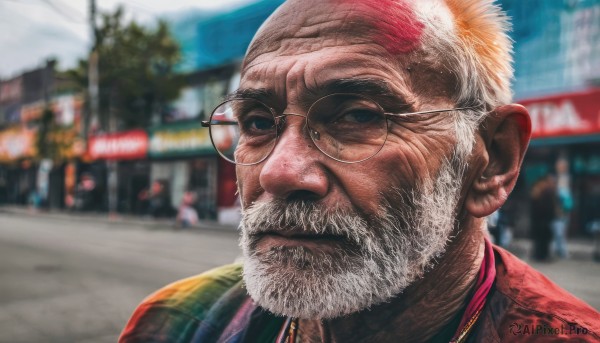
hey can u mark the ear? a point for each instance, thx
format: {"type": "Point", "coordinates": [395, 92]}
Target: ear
{"type": "Point", "coordinates": [505, 134]}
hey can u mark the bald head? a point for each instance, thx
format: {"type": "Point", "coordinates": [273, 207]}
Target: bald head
{"type": "Point", "coordinates": [391, 24]}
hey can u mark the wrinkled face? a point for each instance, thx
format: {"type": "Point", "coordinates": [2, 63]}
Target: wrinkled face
{"type": "Point", "coordinates": [323, 238]}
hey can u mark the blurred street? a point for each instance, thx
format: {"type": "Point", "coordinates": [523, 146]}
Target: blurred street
{"type": "Point", "coordinates": [70, 278]}
{"type": "Point", "coordinates": [65, 279]}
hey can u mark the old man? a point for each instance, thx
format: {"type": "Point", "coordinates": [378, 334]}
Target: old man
{"type": "Point", "coordinates": [371, 139]}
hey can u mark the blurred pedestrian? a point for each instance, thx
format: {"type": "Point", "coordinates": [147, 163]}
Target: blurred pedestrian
{"type": "Point", "coordinates": [86, 193]}
{"type": "Point", "coordinates": [499, 227]}
{"type": "Point", "coordinates": [160, 200]}
{"type": "Point", "coordinates": [543, 212]}
{"type": "Point", "coordinates": [564, 206]}
{"type": "Point", "coordinates": [492, 223]}
{"type": "Point", "coordinates": [187, 215]}
{"type": "Point", "coordinates": [143, 201]}
{"type": "Point", "coordinates": [593, 228]}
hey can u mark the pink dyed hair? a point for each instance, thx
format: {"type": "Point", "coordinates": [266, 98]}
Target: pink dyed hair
{"type": "Point", "coordinates": [398, 30]}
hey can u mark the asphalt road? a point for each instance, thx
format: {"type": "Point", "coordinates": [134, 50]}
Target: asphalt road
{"type": "Point", "coordinates": [68, 279]}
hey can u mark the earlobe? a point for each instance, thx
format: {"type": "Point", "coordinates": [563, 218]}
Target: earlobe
{"type": "Point", "coordinates": [506, 133]}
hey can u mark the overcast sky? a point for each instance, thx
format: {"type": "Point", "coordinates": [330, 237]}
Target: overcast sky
{"type": "Point", "coordinates": [33, 30]}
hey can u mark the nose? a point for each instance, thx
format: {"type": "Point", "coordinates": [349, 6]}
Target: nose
{"type": "Point", "coordinates": [294, 170]}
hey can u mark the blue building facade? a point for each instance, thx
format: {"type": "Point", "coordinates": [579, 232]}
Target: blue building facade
{"type": "Point", "coordinates": [557, 45]}
{"type": "Point", "coordinates": [211, 40]}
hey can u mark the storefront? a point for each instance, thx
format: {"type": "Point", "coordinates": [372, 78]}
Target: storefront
{"type": "Point", "coordinates": [182, 155]}
{"type": "Point", "coordinates": [126, 172]}
{"type": "Point", "coordinates": [17, 182]}
{"type": "Point", "coordinates": [17, 171]}
{"type": "Point", "coordinates": [565, 127]}
{"type": "Point", "coordinates": [62, 145]}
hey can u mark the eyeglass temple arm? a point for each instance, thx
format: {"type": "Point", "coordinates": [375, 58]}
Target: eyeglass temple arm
{"type": "Point", "coordinates": [208, 123]}
{"type": "Point", "coordinates": [432, 111]}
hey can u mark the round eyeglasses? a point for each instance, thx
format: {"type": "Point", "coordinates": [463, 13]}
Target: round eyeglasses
{"type": "Point", "coordinates": [348, 128]}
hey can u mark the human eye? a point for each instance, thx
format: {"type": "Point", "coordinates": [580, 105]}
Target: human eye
{"type": "Point", "coordinates": [347, 117]}
{"type": "Point", "coordinates": [359, 116]}
{"type": "Point", "coordinates": [256, 121]}
{"type": "Point", "coordinates": [356, 114]}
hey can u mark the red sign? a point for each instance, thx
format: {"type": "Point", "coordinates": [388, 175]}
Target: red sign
{"type": "Point", "coordinates": [565, 114]}
{"type": "Point", "coordinates": [128, 145]}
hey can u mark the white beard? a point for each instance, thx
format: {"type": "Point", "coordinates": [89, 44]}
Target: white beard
{"type": "Point", "coordinates": [382, 254]}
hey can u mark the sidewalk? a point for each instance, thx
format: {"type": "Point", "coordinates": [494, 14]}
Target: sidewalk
{"type": "Point", "coordinates": [119, 219]}
{"type": "Point", "coordinates": [580, 249]}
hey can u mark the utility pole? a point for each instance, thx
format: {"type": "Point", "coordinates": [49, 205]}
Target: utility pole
{"type": "Point", "coordinates": [93, 88]}
{"type": "Point", "coordinates": [94, 113]}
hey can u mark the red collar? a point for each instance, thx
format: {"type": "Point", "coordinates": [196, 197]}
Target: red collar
{"type": "Point", "coordinates": [485, 280]}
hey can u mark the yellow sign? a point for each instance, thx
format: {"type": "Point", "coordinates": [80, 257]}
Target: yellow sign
{"type": "Point", "coordinates": [179, 140]}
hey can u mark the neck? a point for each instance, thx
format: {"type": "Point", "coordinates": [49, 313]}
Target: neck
{"type": "Point", "coordinates": [423, 310]}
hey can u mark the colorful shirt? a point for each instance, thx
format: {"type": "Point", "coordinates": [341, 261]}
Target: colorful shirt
{"type": "Point", "coordinates": [521, 306]}
{"type": "Point", "coordinates": [211, 307]}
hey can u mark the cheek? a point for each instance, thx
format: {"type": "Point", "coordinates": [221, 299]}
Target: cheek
{"type": "Point", "coordinates": [407, 159]}
{"type": "Point", "coordinates": [248, 183]}
{"type": "Point", "coordinates": [367, 184]}
{"type": "Point", "coordinates": [419, 154]}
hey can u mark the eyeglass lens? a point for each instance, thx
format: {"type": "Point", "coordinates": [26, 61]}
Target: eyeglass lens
{"type": "Point", "coordinates": [346, 127]}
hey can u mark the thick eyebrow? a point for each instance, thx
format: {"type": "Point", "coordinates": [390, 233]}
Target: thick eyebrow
{"type": "Point", "coordinates": [366, 86]}
{"type": "Point", "coordinates": [251, 93]}
{"type": "Point", "coordinates": [376, 89]}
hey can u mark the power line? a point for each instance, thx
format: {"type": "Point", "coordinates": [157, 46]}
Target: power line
{"type": "Point", "coordinates": [61, 11]}
{"type": "Point", "coordinates": [56, 8]}
{"type": "Point", "coordinates": [77, 13]}
{"type": "Point", "coordinates": [16, 20]}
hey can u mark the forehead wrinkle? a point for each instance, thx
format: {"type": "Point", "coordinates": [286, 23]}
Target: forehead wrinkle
{"type": "Point", "coordinates": [298, 92]}
{"type": "Point", "coordinates": [393, 81]}
{"type": "Point", "coordinates": [327, 34]}
{"type": "Point", "coordinates": [301, 82]}
{"type": "Point", "coordinates": [299, 27]}
{"type": "Point", "coordinates": [341, 73]}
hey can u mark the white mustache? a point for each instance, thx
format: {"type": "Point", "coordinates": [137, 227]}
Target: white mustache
{"type": "Point", "coordinates": [304, 217]}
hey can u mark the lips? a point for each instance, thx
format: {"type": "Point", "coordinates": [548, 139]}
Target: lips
{"type": "Point", "coordinates": [300, 234]}
{"type": "Point", "coordinates": [272, 239]}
